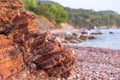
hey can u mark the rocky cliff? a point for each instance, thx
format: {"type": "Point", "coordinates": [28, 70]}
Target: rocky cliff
{"type": "Point", "coordinates": [22, 46]}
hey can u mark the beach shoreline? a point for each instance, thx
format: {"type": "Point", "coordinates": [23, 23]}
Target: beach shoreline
{"type": "Point", "coordinates": [92, 64]}
{"type": "Point", "coordinates": [96, 63]}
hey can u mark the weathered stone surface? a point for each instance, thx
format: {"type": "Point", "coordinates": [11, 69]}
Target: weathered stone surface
{"type": "Point", "coordinates": [9, 9]}
{"type": "Point", "coordinates": [68, 38]}
{"type": "Point", "coordinates": [10, 65]}
{"type": "Point", "coordinates": [51, 60]}
{"type": "Point", "coordinates": [22, 46]}
{"type": "Point", "coordinates": [54, 58]}
{"type": "Point", "coordinates": [11, 59]}
{"type": "Point", "coordinates": [61, 68]}
{"type": "Point", "coordinates": [84, 37]}
{"type": "Point", "coordinates": [4, 40]}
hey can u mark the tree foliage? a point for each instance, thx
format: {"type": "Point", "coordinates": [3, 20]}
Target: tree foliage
{"type": "Point", "coordinates": [55, 13]}
{"type": "Point", "coordinates": [58, 13]}
{"type": "Point", "coordinates": [78, 17]}
{"type": "Point", "coordinates": [30, 4]}
{"type": "Point", "coordinates": [89, 18]}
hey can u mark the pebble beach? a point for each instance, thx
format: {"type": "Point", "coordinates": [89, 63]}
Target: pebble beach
{"type": "Point", "coordinates": [96, 63]}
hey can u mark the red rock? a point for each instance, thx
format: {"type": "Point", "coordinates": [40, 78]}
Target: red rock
{"type": "Point", "coordinates": [55, 59]}
{"type": "Point", "coordinates": [84, 32]}
{"type": "Point", "coordinates": [51, 60]}
{"type": "Point", "coordinates": [21, 44]}
{"type": "Point", "coordinates": [61, 68]}
{"type": "Point", "coordinates": [91, 37]}
{"type": "Point", "coordinates": [84, 37]}
{"type": "Point", "coordinates": [9, 10]}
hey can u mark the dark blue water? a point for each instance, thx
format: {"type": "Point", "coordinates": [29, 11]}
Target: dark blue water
{"type": "Point", "coordinates": [106, 40]}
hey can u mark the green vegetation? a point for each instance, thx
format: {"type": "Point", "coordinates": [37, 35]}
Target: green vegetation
{"type": "Point", "coordinates": [54, 13]}
{"type": "Point", "coordinates": [29, 4]}
{"type": "Point", "coordinates": [90, 18]}
{"type": "Point", "coordinates": [78, 17]}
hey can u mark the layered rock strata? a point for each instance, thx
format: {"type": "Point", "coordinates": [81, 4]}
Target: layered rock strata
{"type": "Point", "coordinates": [11, 59]}
{"type": "Point", "coordinates": [22, 45]}
{"type": "Point", "coordinates": [53, 57]}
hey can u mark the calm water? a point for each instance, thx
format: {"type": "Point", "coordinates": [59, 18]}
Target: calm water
{"type": "Point", "coordinates": [106, 40]}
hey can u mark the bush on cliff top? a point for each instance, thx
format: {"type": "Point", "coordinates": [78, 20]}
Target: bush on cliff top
{"type": "Point", "coordinates": [54, 13]}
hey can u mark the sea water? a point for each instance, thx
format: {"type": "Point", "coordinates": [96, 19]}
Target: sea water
{"type": "Point", "coordinates": [106, 40]}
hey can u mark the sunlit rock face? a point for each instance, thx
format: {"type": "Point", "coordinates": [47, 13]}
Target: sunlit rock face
{"type": "Point", "coordinates": [11, 59]}
{"type": "Point", "coordinates": [8, 11]}
{"type": "Point", "coordinates": [22, 46]}
{"type": "Point", "coordinates": [52, 57]}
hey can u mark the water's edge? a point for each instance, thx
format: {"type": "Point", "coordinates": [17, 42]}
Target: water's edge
{"type": "Point", "coordinates": [106, 40]}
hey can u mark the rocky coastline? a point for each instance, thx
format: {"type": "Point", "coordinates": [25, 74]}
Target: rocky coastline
{"type": "Point", "coordinates": [75, 35]}
{"type": "Point", "coordinates": [92, 64]}
{"type": "Point", "coordinates": [28, 54]}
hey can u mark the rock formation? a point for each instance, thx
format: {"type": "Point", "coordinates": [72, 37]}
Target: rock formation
{"type": "Point", "coordinates": [11, 59]}
{"type": "Point", "coordinates": [22, 45]}
{"type": "Point", "coordinates": [9, 9]}
{"type": "Point", "coordinates": [53, 58]}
